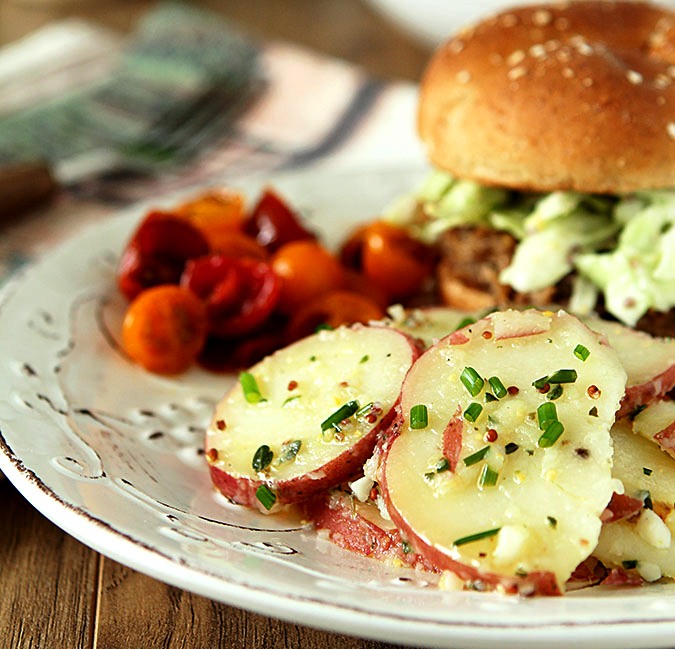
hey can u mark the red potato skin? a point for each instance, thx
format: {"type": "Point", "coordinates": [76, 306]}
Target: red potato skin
{"type": "Point", "coordinates": [666, 439]}
{"type": "Point", "coordinates": [344, 467]}
{"type": "Point", "coordinates": [645, 393]}
{"type": "Point", "coordinates": [535, 583]}
{"type": "Point", "coordinates": [352, 531]}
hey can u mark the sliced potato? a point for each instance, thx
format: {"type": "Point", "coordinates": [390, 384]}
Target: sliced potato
{"type": "Point", "coordinates": [643, 541]}
{"type": "Point", "coordinates": [657, 424]}
{"type": "Point", "coordinates": [306, 418]}
{"type": "Point", "coordinates": [649, 362]}
{"type": "Point", "coordinates": [487, 499]}
{"type": "Point", "coordinates": [429, 324]}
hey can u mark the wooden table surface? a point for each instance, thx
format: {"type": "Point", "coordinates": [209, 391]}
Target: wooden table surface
{"type": "Point", "coordinates": [58, 593]}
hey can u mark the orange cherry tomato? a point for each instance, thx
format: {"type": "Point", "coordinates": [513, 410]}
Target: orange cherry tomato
{"type": "Point", "coordinates": [164, 329]}
{"type": "Point", "coordinates": [214, 214]}
{"type": "Point", "coordinates": [237, 244]}
{"type": "Point", "coordinates": [333, 309]}
{"type": "Point", "coordinates": [306, 270]}
{"type": "Point", "coordinates": [390, 258]}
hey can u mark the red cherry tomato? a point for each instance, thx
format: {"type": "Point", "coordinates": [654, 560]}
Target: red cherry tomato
{"type": "Point", "coordinates": [240, 292]}
{"type": "Point", "coordinates": [272, 223]}
{"type": "Point", "coordinates": [157, 252]}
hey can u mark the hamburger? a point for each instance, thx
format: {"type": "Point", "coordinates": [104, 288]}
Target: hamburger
{"type": "Point", "coordinates": [551, 129]}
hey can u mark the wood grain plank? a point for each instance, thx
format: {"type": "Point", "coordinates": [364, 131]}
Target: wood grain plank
{"type": "Point", "coordinates": [137, 611]}
{"type": "Point", "coordinates": [48, 580]}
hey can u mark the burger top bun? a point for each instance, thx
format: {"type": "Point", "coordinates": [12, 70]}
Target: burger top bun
{"type": "Point", "coordinates": [578, 96]}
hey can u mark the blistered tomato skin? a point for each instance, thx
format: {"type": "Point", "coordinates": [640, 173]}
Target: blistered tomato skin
{"type": "Point", "coordinates": [239, 293]}
{"type": "Point", "coordinates": [272, 223]}
{"type": "Point", "coordinates": [164, 329]}
{"type": "Point", "coordinates": [157, 252]}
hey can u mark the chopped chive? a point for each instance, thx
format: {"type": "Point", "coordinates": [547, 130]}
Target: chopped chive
{"type": "Point", "coordinates": [343, 412]}
{"type": "Point", "coordinates": [647, 470]}
{"type": "Point", "coordinates": [442, 465]}
{"type": "Point", "coordinates": [511, 447]}
{"type": "Point", "coordinates": [581, 352]}
{"type": "Point", "coordinates": [563, 376]}
{"type": "Point", "coordinates": [497, 387]}
{"type": "Point", "coordinates": [552, 521]}
{"type": "Point", "coordinates": [323, 326]}
{"type": "Point", "coordinates": [472, 381]}
{"type": "Point", "coordinates": [419, 416]}
{"type": "Point", "coordinates": [637, 411]}
{"type": "Point", "coordinates": [473, 412]}
{"type": "Point", "coordinates": [488, 476]}
{"type": "Point", "coordinates": [476, 457]}
{"type": "Point", "coordinates": [262, 458]}
{"type": "Point", "coordinates": [546, 413]}
{"type": "Point", "coordinates": [555, 392]}
{"type": "Point", "coordinates": [406, 547]}
{"type": "Point", "coordinates": [553, 431]}
{"type": "Point", "coordinates": [250, 387]}
{"type": "Point", "coordinates": [289, 450]}
{"type": "Point", "coordinates": [465, 323]}
{"type": "Point", "coordinates": [265, 496]}
{"type": "Point", "coordinates": [489, 397]}
{"type": "Point", "coordinates": [646, 498]}
{"type": "Point", "coordinates": [364, 359]}
{"type": "Point", "coordinates": [289, 399]}
{"type": "Point", "coordinates": [477, 537]}
{"type": "Point", "coordinates": [540, 383]}
{"type": "Point", "coordinates": [629, 564]}
{"type": "Point", "coordinates": [593, 412]}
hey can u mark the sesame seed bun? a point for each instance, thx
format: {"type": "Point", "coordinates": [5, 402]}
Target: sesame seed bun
{"type": "Point", "coordinates": [577, 96]}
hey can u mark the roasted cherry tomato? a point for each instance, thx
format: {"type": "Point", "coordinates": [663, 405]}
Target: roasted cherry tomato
{"type": "Point", "coordinates": [232, 354]}
{"type": "Point", "coordinates": [273, 223]}
{"type": "Point", "coordinates": [164, 329]}
{"type": "Point", "coordinates": [390, 258]}
{"type": "Point", "coordinates": [306, 270]}
{"type": "Point", "coordinates": [237, 244]}
{"type": "Point", "coordinates": [240, 292]}
{"type": "Point", "coordinates": [215, 214]}
{"type": "Point", "coordinates": [333, 309]}
{"type": "Point", "coordinates": [157, 252]}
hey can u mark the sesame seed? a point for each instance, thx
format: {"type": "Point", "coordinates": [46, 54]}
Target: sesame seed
{"type": "Point", "coordinates": [568, 73]}
{"type": "Point", "coordinates": [516, 73]}
{"type": "Point", "coordinates": [515, 57]}
{"type": "Point", "coordinates": [552, 45]}
{"type": "Point", "coordinates": [671, 129]}
{"type": "Point", "coordinates": [561, 24]}
{"type": "Point", "coordinates": [563, 55]}
{"type": "Point", "coordinates": [662, 81]}
{"type": "Point", "coordinates": [587, 82]}
{"type": "Point", "coordinates": [456, 45]}
{"type": "Point", "coordinates": [542, 17]}
{"type": "Point", "coordinates": [661, 100]}
{"type": "Point", "coordinates": [634, 77]}
{"type": "Point", "coordinates": [509, 20]}
{"type": "Point", "coordinates": [463, 76]}
{"type": "Point", "coordinates": [671, 71]}
{"type": "Point", "coordinates": [584, 48]}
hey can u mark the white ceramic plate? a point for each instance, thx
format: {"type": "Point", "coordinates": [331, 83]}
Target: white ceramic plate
{"type": "Point", "coordinates": [112, 455]}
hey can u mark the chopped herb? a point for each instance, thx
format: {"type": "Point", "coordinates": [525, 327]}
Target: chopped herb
{"type": "Point", "coordinates": [629, 564]}
{"type": "Point", "coordinates": [563, 376]}
{"type": "Point", "coordinates": [637, 411]}
{"type": "Point", "coordinates": [289, 450]}
{"type": "Point", "coordinates": [364, 359]}
{"type": "Point", "coordinates": [293, 398]}
{"type": "Point", "coordinates": [488, 476]}
{"type": "Point", "coordinates": [477, 537]}
{"type": "Point", "coordinates": [476, 457]}
{"type": "Point", "coordinates": [489, 397]}
{"type": "Point", "coordinates": [647, 470]}
{"type": "Point", "coordinates": [266, 496]}
{"type": "Point", "coordinates": [473, 412]}
{"type": "Point", "coordinates": [343, 412]}
{"type": "Point", "coordinates": [511, 447]}
{"type": "Point", "coordinates": [312, 358]}
{"type": "Point", "coordinates": [407, 548]}
{"type": "Point", "coordinates": [553, 431]}
{"type": "Point", "coordinates": [324, 326]}
{"type": "Point", "coordinates": [581, 352]}
{"type": "Point", "coordinates": [521, 572]}
{"type": "Point", "coordinates": [442, 465]}
{"type": "Point", "coordinates": [419, 416]}
{"type": "Point", "coordinates": [465, 323]}
{"type": "Point", "coordinates": [540, 384]}
{"type": "Point", "coordinates": [546, 413]}
{"type": "Point", "coordinates": [472, 381]}
{"type": "Point", "coordinates": [497, 387]}
{"type": "Point", "coordinates": [250, 387]}
{"type": "Point", "coordinates": [553, 522]}
{"type": "Point", "coordinates": [647, 499]}
{"type": "Point", "coordinates": [593, 412]}
{"type": "Point", "coordinates": [262, 458]}
{"type": "Point", "coordinates": [555, 392]}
